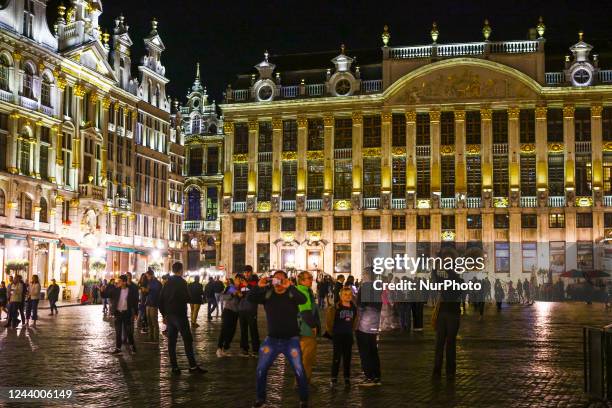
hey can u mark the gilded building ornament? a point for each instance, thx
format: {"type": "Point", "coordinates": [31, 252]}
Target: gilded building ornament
{"type": "Point", "coordinates": [459, 114]}
{"type": "Point", "coordinates": [398, 151]}
{"type": "Point", "coordinates": [596, 111]}
{"type": "Point", "coordinates": [17, 56]}
{"type": "Point", "coordinates": [41, 67]}
{"type": "Point", "coordinates": [277, 124]}
{"type": "Point", "coordinates": [12, 204]}
{"type": "Point", "coordinates": [94, 98]}
{"type": "Point", "coordinates": [314, 235]}
{"type": "Point", "coordinates": [607, 147]}
{"type": "Point", "coordinates": [514, 112]}
{"type": "Point", "coordinates": [228, 126]}
{"type": "Point", "coordinates": [13, 170]}
{"type": "Point", "coordinates": [371, 152]}
{"type": "Point", "coordinates": [79, 90]}
{"type": "Point", "coordinates": [61, 83]}
{"type": "Point", "coordinates": [288, 156]}
{"type": "Point", "coordinates": [74, 203]}
{"type": "Point", "coordinates": [240, 158]}
{"type": "Point", "coordinates": [423, 203]}
{"type": "Point", "coordinates": [528, 148]}
{"type": "Point", "coordinates": [106, 103]}
{"type": "Point", "coordinates": [540, 112]}
{"type": "Point", "coordinates": [14, 115]}
{"type": "Point", "coordinates": [264, 206]}
{"type": "Point", "coordinates": [342, 205]}
{"type": "Point", "coordinates": [486, 114]}
{"type": "Point", "coordinates": [434, 116]}
{"type": "Point", "coordinates": [357, 118]}
{"type": "Point", "coordinates": [288, 236]}
{"type": "Point", "coordinates": [315, 155]}
{"type": "Point", "coordinates": [500, 202]}
{"type": "Point", "coordinates": [411, 116]}
{"type": "Point", "coordinates": [302, 122]}
{"type": "Point", "coordinates": [555, 147]}
{"type": "Point", "coordinates": [253, 125]}
{"type": "Point", "coordinates": [472, 149]}
{"type": "Point", "coordinates": [568, 111]}
{"type": "Point", "coordinates": [328, 120]}
{"type": "Point", "coordinates": [447, 150]}
{"type": "Point", "coordinates": [387, 116]}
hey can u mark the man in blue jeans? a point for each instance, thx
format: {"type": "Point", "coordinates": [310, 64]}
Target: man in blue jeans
{"type": "Point", "coordinates": [173, 300]}
{"type": "Point", "coordinates": [280, 300]}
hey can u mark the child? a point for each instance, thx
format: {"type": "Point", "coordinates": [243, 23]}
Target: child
{"type": "Point", "coordinates": [340, 324]}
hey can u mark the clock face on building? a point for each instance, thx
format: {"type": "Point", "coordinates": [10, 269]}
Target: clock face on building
{"type": "Point", "coordinates": [265, 93]}
{"type": "Point", "coordinates": [196, 102]}
{"type": "Point", "coordinates": [581, 77]}
{"type": "Point", "coordinates": [343, 87]}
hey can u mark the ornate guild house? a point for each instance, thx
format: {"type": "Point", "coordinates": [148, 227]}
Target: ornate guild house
{"type": "Point", "coordinates": [490, 144]}
{"type": "Point", "coordinates": [85, 148]}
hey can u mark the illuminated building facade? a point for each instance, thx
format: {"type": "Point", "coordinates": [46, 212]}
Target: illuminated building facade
{"type": "Point", "coordinates": [85, 148]}
{"type": "Point", "coordinates": [468, 143]}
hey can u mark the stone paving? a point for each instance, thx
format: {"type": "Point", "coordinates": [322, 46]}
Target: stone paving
{"type": "Point", "coordinates": [525, 356]}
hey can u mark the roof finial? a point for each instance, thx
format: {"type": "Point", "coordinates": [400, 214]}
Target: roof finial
{"type": "Point", "coordinates": [342, 48]}
{"type": "Point", "coordinates": [266, 56]}
{"type": "Point", "coordinates": [541, 27]}
{"type": "Point", "coordinates": [580, 35]}
{"type": "Point", "coordinates": [434, 32]}
{"type": "Point", "coordinates": [197, 70]}
{"type": "Point", "coordinates": [486, 30]}
{"type": "Point", "coordinates": [386, 35]}
{"type": "Point", "coordinates": [154, 24]}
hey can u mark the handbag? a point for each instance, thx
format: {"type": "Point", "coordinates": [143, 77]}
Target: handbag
{"type": "Point", "coordinates": [435, 313]}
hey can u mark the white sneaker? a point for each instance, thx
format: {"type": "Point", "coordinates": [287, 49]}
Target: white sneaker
{"type": "Point", "coordinates": [220, 353]}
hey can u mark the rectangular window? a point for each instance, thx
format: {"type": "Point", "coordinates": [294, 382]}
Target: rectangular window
{"type": "Point", "coordinates": [582, 125]}
{"type": "Point", "coordinates": [554, 124]}
{"type": "Point", "coordinates": [447, 169]}
{"type": "Point", "coordinates": [528, 175]}
{"type": "Point", "coordinates": [342, 258]}
{"type": "Point", "coordinates": [288, 224]}
{"type": "Point", "coordinates": [264, 181]}
{"type": "Point", "coordinates": [423, 177]}
{"type": "Point", "coordinates": [472, 127]}
{"type": "Point", "coordinates": [585, 255]}
{"type": "Point", "coordinates": [315, 179]}
{"type": "Point", "coordinates": [289, 180]}
{"type": "Point", "coordinates": [371, 222]}
{"type": "Point", "coordinates": [527, 126]}
{"type": "Point", "coordinates": [447, 128]}
{"type": "Point", "coordinates": [316, 134]}
{"type": "Point", "coordinates": [608, 220]}
{"type": "Point", "coordinates": [371, 177]}
{"type": "Point", "coordinates": [371, 131]}
{"type": "Point", "coordinates": [556, 220]}
{"type": "Point", "coordinates": [314, 223]}
{"type": "Point", "coordinates": [398, 222]}
{"type": "Point", "coordinates": [289, 135]}
{"type": "Point", "coordinates": [529, 221]}
{"type": "Point", "coordinates": [502, 257]}
{"type": "Point", "coordinates": [343, 134]}
{"type": "Point", "coordinates": [241, 138]}
{"type": "Point", "coordinates": [241, 175]}
{"type": "Point", "coordinates": [212, 204]}
{"type": "Point", "coordinates": [607, 173]}
{"type": "Point", "coordinates": [44, 161]}
{"type": "Point", "coordinates": [238, 256]}
{"type": "Point", "coordinates": [399, 177]}
{"type": "Point", "coordinates": [556, 175]}
{"type": "Point", "coordinates": [584, 220]}
{"type": "Point", "coordinates": [263, 225]}
{"type": "Point", "coordinates": [423, 222]}
{"type": "Point", "coordinates": [557, 256]}
{"type": "Point", "coordinates": [343, 179]}
{"type": "Point", "coordinates": [530, 257]}
{"type": "Point", "coordinates": [422, 129]}
{"type": "Point", "coordinates": [398, 130]}
{"type": "Point", "coordinates": [474, 176]}
{"type": "Point", "coordinates": [584, 174]}
{"type": "Point", "coordinates": [212, 160]}
{"type": "Point", "coordinates": [501, 221]}
{"type": "Point", "coordinates": [474, 221]}
{"type": "Point", "coordinates": [500, 126]}
{"type": "Point", "coordinates": [342, 224]}
{"type": "Point", "coordinates": [196, 157]}
{"type": "Point", "coordinates": [448, 222]}
{"type": "Point", "coordinates": [606, 123]}
{"type": "Point", "coordinates": [263, 258]}
{"type": "Point", "coordinates": [239, 225]}
{"type": "Point", "coordinates": [264, 141]}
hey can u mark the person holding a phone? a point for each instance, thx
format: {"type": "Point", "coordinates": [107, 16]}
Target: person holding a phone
{"type": "Point", "coordinates": [281, 302]}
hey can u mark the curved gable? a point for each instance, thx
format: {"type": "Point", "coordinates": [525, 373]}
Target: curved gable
{"type": "Point", "coordinates": [460, 79]}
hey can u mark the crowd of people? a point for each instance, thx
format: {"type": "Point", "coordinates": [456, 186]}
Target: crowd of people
{"type": "Point", "coordinates": [19, 300]}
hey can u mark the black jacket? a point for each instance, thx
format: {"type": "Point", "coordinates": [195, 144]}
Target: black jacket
{"type": "Point", "coordinates": [132, 299]}
{"type": "Point", "coordinates": [174, 297]}
{"type": "Point", "coordinates": [196, 293]}
{"type": "Point", "coordinates": [53, 292]}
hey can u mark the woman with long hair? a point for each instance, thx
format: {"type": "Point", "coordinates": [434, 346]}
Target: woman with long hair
{"type": "Point", "coordinates": [32, 301]}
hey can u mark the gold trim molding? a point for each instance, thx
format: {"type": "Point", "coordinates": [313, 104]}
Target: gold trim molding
{"type": "Point", "coordinates": [240, 158]}
{"type": "Point", "coordinates": [556, 147]}
{"type": "Point", "coordinates": [228, 126]}
{"type": "Point", "coordinates": [486, 114]}
{"type": "Point", "coordinates": [540, 112]}
{"type": "Point", "coordinates": [371, 152]}
{"type": "Point", "coordinates": [472, 149]}
{"type": "Point", "coordinates": [264, 206]}
{"type": "Point", "coordinates": [342, 205]}
{"type": "Point", "coordinates": [528, 148]}
{"type": "Point", "coordinates": [302, 122]}
{"type": "Point", "coordinates": [288, 156]}
{"type": "Point", "coordinates": [447, 150]}
{"type": "Point", "coordinates": [357, 118]}
{"type": "Point", "coordinates": [514, 113]}
{"type": "Point", "coordinates": [596, 111]}
{"type": "Point", "coordinates": [315, 155]}
{"type": "Point", "coordinates": [277, 124]}
{"type": "Point", "coordinates": [568, 111]}
{"type": "Point", "coordinates": [398, 151]}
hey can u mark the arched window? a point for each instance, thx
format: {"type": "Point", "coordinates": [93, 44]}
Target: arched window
{"type": "Point", "coordinates": [24, 152]}
{"type": "Point", "coordinates": [24, 207]}
{"type": "Point", "coordinates": [45, 92]}
{"type": "Point", "coordinates": [195, 211]}
{"type": "Point", "coordinates": [43, 211]}
{"type": "Point", "coordinates": [28, 82]}
{"type": "Point", "coordinates": [4, 73]}
{"type": "Point", "coordinates": [195, 125]}
{"type": "Point", "coordinates": [2, 203]}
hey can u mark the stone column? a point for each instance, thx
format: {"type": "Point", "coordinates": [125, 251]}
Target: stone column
{"type": "Point", "coordinates": [514, 156]}
{"type": "Point", "coordinates": [250, 240]}
{"type": "Point", "coordinates": [275, 233]}
{"type": "Point", "coordinates": [328, 235]}
{"type": "Point", "coordinates": [54, 150]}
{"type": "Point", "coordinates": [227, 249]}
{"type": "Point", "coordinates": [488, 237]}
{"type": "Point", "coordinates": [385, 165]}
{"type": "Point", "coordinates": [597, 153]}
{"type": "Point", "coordinates": [106, 102]}
{"type": "Point", "coordinates": [228, 128]}
{"type": "Point", "coordinates": [357, 159]}
{"type": "Point", "coordinates": [515, 238]}
{"type": "Point", "coordinates": [434, 143]}
{"type": "Point", "coordinates": [460, 165]}
{"type": "Point", "coordinates": [569, 144]}
{"type": "Point", "coordinates": [59, 159]}
{"type": "Point", "coordinates": [411, 159]}
{"type": "Point", "coordinates": [79, 92]}
{"type": "Point", "coordinates": [543, 239]}
{"type": "Point", "coordinates": [302, 170]}
{"type": "Point", "coordinates": [300, 236]}
{"type": "Point", "coordinates": [277, 147]}
{"type": "Point", "coordinates": [356, 243]}
{"type": "Point", "coordinates": [12, 151]}
{"type": "Point", "coordinates": [541, 138]}
{"type": "Point", "coordinates": [571, 253]}
{"type": "Point", "coordinates": [35, 150]}
{"type": "Point", "coordinates": [486, 153]}
{"type": "Point", "coordinates": [328, 174]}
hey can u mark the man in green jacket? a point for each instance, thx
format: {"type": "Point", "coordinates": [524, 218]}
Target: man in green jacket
{"type": "Point", "coordinates": [310, 322]}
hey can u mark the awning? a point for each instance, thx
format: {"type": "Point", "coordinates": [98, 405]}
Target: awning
{"type": "Point", "coordinates": [68, 243]}
{"type": "Point", "coordinates": [124, 249]}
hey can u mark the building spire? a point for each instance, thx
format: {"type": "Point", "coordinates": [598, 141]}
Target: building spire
{"type": "Point", "coordinates": [197, 85]}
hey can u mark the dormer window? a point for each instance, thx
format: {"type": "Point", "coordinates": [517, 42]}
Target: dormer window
{"type": "Point", "coordinates": [343, 87]}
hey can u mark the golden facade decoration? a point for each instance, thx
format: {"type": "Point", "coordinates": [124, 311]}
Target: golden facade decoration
{"type": "Point", "coordinates": [472, 149]}
{"type": "Point", "coordinates": [514, 112]}
{"type": "Point", "coordinates": [556, 147]}
{"type": "Point", "coordinates": [386, 116]}
{"type": "Point", "coordinates": [459, 114]}
{"type": "Point", "coordinates": [371, 152]}
{"type": "Point", "coordinates": [357, 118]}
{"type": "Point", "coordinates": [434, 116]}
{"type": "Point", "coordinates": [264, 206]}
{"type": "Point", "coordinates": [500, 202]}
{"type": "Point", "coordinates": [240, 158]}
{"type": "Point", "coordinates": [411, 116]}
{"type": "Point", "coordinates": [596, 111]}
{"type": "Point", "coordinates": [288, 156]}
{"type": "Point", "coordinates": [540, 112]}
{"type": "Point", "coordinates": [342, 205]}
{"type": "Point", "coordinates": [528, 148]}
{"type": "Point", "coordinates": [568, 111]}
{"type": "Point", "coordinates": [277, 124]}
{"type": "Point", "coordinates": [253, 125]}
{"type": "Point", "coordinates": [302, 122]}
{"type": "Point", "coordinates": [447, 150]}
{"type": "Point", "coordinates": [486, 114]}
{"type": "Point", "coordinates": [228, 126]}
{"type": "Point", "coordinates": [315, 155]}
{"type": "Point", "coordinates": [607, 147]}
{"type": "Point", "coordinates": [584, 201]}
{"type": "Point", "coordinates": [328, 120]}
{"type": "Point", "coordinates": [398, 151]}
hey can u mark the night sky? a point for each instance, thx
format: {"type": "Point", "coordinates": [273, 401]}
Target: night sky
{"type": "Point", "coordinates": [229, 37]}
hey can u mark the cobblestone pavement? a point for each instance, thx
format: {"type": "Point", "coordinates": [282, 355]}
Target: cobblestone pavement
{"type": "Point", "coordinates": [525, 356]}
